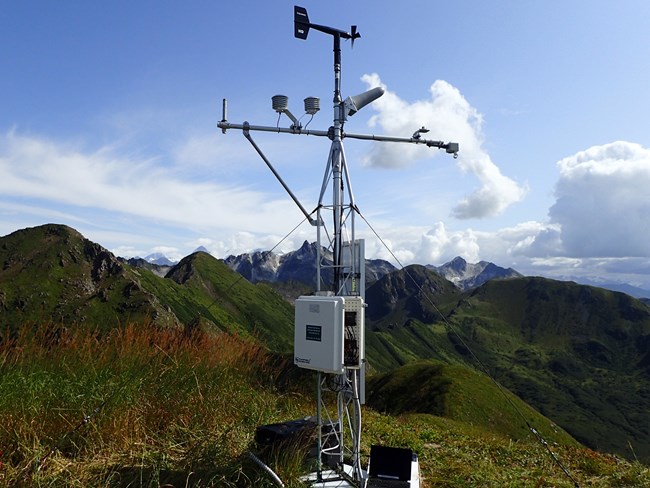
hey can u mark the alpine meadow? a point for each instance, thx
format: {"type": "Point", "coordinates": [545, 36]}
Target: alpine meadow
{"type": "Point", "coordinates": [111, 375]}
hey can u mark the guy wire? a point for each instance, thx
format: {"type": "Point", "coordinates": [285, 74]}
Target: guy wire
{"type": "Point", "coordinates": [265, 254]}
{"type": "Point", "coordinates": [480, 363]}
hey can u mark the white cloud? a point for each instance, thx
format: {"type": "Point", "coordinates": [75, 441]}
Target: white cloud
{"type": "Point", "coordinates": [602, 201]}
{"type": "Point", "coordinates": [449, 117]}
{"type": "Point", "coordinates": [422, 245]}
{"type": "Point", "coordinates": [438, 245]}
{"type": "Point", "coordinates": [223, 156]}
{"type": "Point", "coordinates": [528, 239]}
{"type": "Point", "coordinates": [599, 223]}
{"type": "Point", "coordinates": [64, 175]}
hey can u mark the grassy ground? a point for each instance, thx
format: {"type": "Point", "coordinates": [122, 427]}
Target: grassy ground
{"type": "Point", "coordinates": [140, 406]}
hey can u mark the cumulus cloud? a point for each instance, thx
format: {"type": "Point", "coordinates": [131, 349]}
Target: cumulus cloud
{"type": "Point", "coordinates": [439, 245]}
{"type": "Point", "coordinates": [530, 239]}
{"type": "Point", "coordinates": [449, 117]}
{"type": "Point", "coordinates": [602, 203]}
{"type": "Point", "coordinates": [422, 245]}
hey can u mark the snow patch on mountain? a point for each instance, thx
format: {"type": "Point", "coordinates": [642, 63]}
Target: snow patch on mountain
{"type": "Point", "coordinates": [159, 258]}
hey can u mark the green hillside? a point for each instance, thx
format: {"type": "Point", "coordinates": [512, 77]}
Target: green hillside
{"type": "Point", "coordinates": [462, 394]}
{"type": "Point", "coordinates": [53, 274]}
{"type": "Point", "coordinates": [403, 318]}
{"type": "Point", "coordinates": [202, 289]}
{"type": "Point", "coordinates": [578, 354]}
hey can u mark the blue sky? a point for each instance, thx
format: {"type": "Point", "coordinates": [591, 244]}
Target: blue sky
{"type": "Point", "coordinates": [108, 115]}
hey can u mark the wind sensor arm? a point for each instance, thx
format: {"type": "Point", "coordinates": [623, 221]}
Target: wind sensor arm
{"type": "Point", "coordinates": [224, 125]}
{"type": "Point", "coordinates": [449, 147]}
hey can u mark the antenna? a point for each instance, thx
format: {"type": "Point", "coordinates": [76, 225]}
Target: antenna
{"type": "Point", "coordinates": [329, 326]}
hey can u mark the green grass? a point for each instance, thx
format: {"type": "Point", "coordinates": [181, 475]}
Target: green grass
{"type": "Point", "coordinates": [456, 454]}
{"type": "Point", "coordinates": [171, 408]}
{"type": "Point", "coordinates": [172, 404]}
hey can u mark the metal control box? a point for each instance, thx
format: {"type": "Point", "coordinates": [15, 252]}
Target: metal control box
{"type": "Point", "coordinates": [318, 335]}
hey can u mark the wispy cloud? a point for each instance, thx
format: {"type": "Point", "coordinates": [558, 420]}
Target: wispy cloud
{"type": "Point", "coordinates": [107, 179]}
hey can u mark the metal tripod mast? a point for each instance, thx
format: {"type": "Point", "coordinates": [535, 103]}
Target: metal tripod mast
{"type": "Point", "coordinates": [338, 436]}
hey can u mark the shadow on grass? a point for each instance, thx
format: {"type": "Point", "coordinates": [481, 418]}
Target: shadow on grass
{"type": "Point", "coordinates": [240, 472]}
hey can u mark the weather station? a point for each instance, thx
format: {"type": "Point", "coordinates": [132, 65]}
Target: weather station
{"type": "Point", "coordinates": [329, 334]}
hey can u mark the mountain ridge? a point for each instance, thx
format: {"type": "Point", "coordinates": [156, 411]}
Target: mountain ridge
{"type": "Point", "coordinates": [52, 273]}
{"type": "Point", "coordinates": [295, 266]}
{"type": "Point", "coordinates": [264, 266]}
{"type": "Point", "coordinates": [578, 354]}
{"type": "Point", "coordinates": [299, 265]}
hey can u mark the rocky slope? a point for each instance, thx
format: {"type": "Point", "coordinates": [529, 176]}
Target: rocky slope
{"type": "Point", "coordinates": [470, 275]}
{"type": "Point", "coordinates": [296, 266]}
{"type": "Point", "coordinates": [51, 273]}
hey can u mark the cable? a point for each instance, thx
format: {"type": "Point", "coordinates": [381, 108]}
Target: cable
{"type": "Point", "coordinates": [268, 470]}
{"type": "Point", "coordinates": [480, 363]}
{"type": "Point", "coordinates": [309, 121]}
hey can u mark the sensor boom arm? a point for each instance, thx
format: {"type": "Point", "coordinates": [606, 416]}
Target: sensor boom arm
{"type": "Point", "coordinates": [224, 125]}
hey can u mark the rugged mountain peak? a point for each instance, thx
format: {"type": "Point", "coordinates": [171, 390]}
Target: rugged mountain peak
{"type": "Point", "coordinates": [256, 266]}
{"type": "Point", "coordinates": [470, 275]}
{"type": "Point", "coordinates": [458, 264]}
{"type": "Point", "coordinates": [307, 247]}
{"type": "Point", "coordinates": [295, 266]}
{"type": "Point", "coordinates": [52, 272]}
